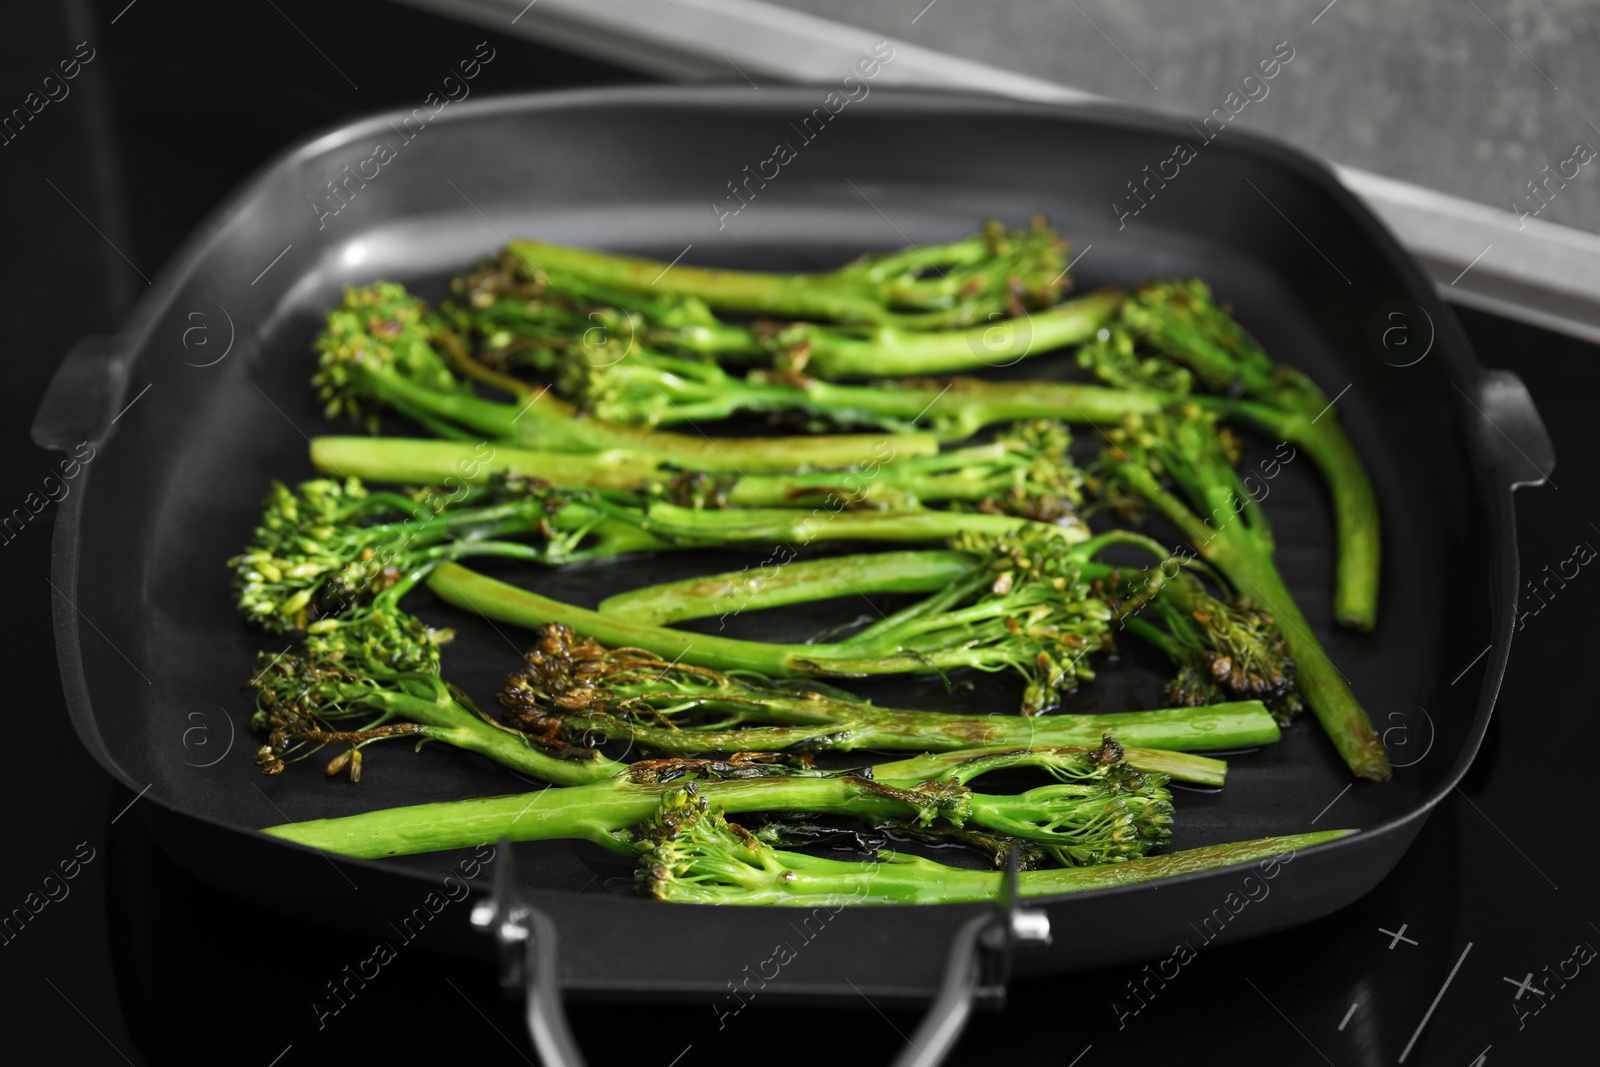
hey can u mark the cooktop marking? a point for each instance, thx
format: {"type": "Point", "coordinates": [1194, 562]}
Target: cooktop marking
{"type": "Point", "coordinates": [1398, 935]}
{"type": "Point", "coordinates": [1407, 1051]}
{"type": "Point", "coordinates": [1522, 987]}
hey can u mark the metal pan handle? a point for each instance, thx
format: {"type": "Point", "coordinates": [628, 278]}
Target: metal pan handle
{"type": "Point", "coordinates": [84, 396]}
{"type": "Point", "coordinates": [977, 968]}
{"type": "Point", "coordinates": [1510, 435]}
{"type": "Point", "coordinates": [526, 941]}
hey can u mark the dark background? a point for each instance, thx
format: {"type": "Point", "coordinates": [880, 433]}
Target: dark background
{"type": "Point", "coordinates": [142, 964]}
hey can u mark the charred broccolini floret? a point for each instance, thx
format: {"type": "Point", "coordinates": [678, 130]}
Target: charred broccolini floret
{"type": "Point", "coordinates": [1223, 651]}
{"type": "Point", "coordinates": [332, 548]}
{"type": "Point", "coordinates": [334, 692]}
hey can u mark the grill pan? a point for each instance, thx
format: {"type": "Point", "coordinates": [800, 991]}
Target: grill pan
{"type": "Point", "coordinates": [214, 363]}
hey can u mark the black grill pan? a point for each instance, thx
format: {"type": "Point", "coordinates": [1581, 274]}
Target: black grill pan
{"type": "Point", "coordinates": [150, 647]}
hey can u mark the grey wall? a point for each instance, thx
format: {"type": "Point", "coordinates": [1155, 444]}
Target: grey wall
{"type": "Point", "coordinates": [1428, 91]}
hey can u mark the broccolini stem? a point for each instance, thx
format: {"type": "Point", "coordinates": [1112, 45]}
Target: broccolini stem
{"type": "Point", "coordinates": [887, 352]}
{"type": "Point", "coordinates": [602, 811]}
{"type": "Point", "coordinates": [578, 689]}
{"type": "Point", "coordinates": [672, 522]}
{"type": "Point", "coordinates": [1040, 630]}
{"type": "Point", "coordinates": [1001, 475]}
{"type": "Point", "coordinates": [780, 583]}
{"type": "Point", "coordinates": [424, 461]}
{"type": "Point", "coordinates": [1355, 505]}
{"type": "Point", "coordinates": [974, 277]}
{"type": "Point", "coordinates": [548, 423]}
{"type": "Point", "coordinates": [379, 346]}
{"type": "Point", "coordinates": [501, 602]}
{"type": "Point", "coordinates": [1234, 725]}
{"type": "Point", "coordinates": [804, 881]}
{"type": "Point", "coordinates": [1253, 574]}
{"type": "Point", "coordinates": [772, 585]}
{"type": "Point", "coordinates": [967, 764]}
{"type": "Point", "coordinates": [449, 722]}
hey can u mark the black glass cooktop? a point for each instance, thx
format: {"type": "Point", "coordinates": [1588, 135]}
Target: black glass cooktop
{"type": "Point", "coordinates": [1477, 949]}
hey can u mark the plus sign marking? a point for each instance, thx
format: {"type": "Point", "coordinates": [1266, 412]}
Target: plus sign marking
{"type": "Point", "coordinates": [1524, 986]}
{"type": "Point", "coordinates": [1399, 936]}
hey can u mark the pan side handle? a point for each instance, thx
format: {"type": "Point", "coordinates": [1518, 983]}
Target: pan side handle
{"type": "Point", "coordinates": [85, 395]}
{"type": "Point", "coordinates": [1507, 432]}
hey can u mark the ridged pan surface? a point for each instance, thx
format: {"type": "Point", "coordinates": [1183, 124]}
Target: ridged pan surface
{"type": "Point", "coordinates": [176, 490]}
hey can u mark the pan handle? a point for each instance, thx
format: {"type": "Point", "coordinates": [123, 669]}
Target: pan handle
{"type": "Point", "coordinates": [978, 967]}
{"type": "Point", "coordinates": [83, 398]}
{"type": "Point", "coordinates": [1510, 435]}
{"type": "Point", "coordinates": [525, 938]}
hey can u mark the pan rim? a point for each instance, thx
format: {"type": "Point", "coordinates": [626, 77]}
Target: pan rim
{"type": "Point", "coordinates": [897, 101]}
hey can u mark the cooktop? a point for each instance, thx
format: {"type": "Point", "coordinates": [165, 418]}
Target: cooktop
{"type": "Point", "coordinates": [1476, 949]}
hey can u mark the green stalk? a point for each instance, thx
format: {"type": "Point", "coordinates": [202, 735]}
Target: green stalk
{"type": "Point", "coordinates": [1355, 505]}
{"type": "Point", "coordinates": [971, 279]}
{"type": "Point", "coordinates": [578, 689]}
{"type": "Point", "coordinates": [554, 341]}
{"type": "Point", "coordinates": [674, 523]}
{"type": "Point", "coordinates": [888, 352]}
{"type": "Point", "coordinates": [602, 812]}
{"type": "Point", "coordinates": [550, 424]}
{"type": "Point", "coordinates": [960, 407]}
{"type": "Point", "coordinates": [424, 461]}
{"type": "Point", "coordinates": [446, 720]}
{"type": "Point", "coordinates": [954, 408]}
{"type": "Point", "coordinates": [501, 602]}
{"type": "Point", "coordinates": [659, 524]}
{"type": "Point", "coordinates": [786, 582]}
{"type": "Point", "coordinates": [1234, 725]}
{"type": "Point", "coordinates": [1249, 567]}
{"type": "Point", "coordinates": [963, 765]}
{"type": "Point", "coordinates": [1034, 616]}
{"type": "Point", "coordinates": [798, 582]}
{"type": "Point", "coordinates": [1026, 472]}
{"type": "Point", "coordinates": [379, 346]}
{"type": "Point", "coordinates": [794, 879]}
